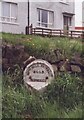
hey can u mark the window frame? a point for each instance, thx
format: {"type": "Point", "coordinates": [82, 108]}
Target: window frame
{"type": "Point", "coordinates": [39, 23]}
{"type": "Point", "coordinates": [10, 18]}
{"type": "Point", "coordinates": [67, 19]}
{"type": "Point", "coordinates": [64, 2]}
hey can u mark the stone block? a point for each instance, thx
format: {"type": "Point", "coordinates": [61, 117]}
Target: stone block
{"type": "Point", "coordinates": [75, 68]}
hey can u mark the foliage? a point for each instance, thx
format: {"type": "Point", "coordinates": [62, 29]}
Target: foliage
{"type": "Point", "coordinates": [66, 90]}
{"type": "Point", "coordinates": [0, 96]}
{"type": "Point", "coordinates": [19, 102]}
{"type": "Point", "coordinates": [39, 46]}
{"type": "Point", "coordinates": [62, 98]}
{"type": "Point", "coordinates": [14, 76]}
{"type": "Point", "coordinates": [55, 111]}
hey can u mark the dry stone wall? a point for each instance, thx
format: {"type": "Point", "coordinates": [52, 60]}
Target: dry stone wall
{"type": "Point", "coordinates": [15, 54]}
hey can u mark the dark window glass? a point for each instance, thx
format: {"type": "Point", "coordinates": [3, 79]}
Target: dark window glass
{"type": "Point", "coordinates": [65, 20]}
{"type": "Point", "coordinates": [70, 21]}
{"type": "Point", "coordinates": [44, 18]}
{"type": "Point", "coordinates": [38, 15]}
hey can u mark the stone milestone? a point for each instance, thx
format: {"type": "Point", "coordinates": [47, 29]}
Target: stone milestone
{"type": "Point", "coordinates": [38, 74]}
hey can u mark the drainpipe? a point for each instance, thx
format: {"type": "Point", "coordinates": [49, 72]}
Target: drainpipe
{"type": "Point", "coordinates": [28, 16]}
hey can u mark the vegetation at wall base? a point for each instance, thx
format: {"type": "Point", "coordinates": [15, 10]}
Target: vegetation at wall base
{"type": "Point", "coordinates": [63, 98]}
{"type": "Point", "coordinates": [18, 102]}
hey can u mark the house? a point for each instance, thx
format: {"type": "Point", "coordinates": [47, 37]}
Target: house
{"type": "Point", "coordinates": [79, 17]}
{"type": "Point", "coordinates": [16, 15]}
{"type": "Point", "coordinates": [83, 15]}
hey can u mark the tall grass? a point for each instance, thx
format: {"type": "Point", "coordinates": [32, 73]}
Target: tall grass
{"type": "Point", "coordinates": [19, 102]}
{"type": "Point", "coordinates": [62, 99]}
{"type": "Point", "coordinates": [39, 46]}
{"type": "Point", "coordinates": [0, 96]}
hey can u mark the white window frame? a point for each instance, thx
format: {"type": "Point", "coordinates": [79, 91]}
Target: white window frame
{"type": "Point", "coordinates": [64, 1]}
{"type": "Point", "coordinates": [39, 23]}
{"type": "Point", "coordinates": [10, 19]}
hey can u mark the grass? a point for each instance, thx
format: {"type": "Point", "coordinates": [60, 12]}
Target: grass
{"type": "Point", "coordinates": [38, 46]}
{"type": "Point", "coordinates": [19, 102]}
{"type": "Point", "coordinates": [54, 111]}
{"type": "Point", "coordinates": [0, 96]}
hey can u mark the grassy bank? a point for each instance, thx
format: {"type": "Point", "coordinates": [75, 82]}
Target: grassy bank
{"type": "Point", "coordinates": [39, 46]}
{"type": "Point", "coordinates": [62, 99]}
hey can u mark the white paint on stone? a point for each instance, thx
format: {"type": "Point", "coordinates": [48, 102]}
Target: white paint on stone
{"type": "Point", "coordinates": [38, 74]}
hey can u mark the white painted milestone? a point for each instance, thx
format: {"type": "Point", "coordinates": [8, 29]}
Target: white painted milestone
{"type": "Point", "coordinates": [38, 74]}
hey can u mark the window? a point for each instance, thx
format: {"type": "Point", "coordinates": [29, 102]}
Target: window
{"type": "Point", "coordinates": [45, 18]}
{"type": "Point", "coordinates": [67, 20]}
{"type": "Point", "coordinates": [9, 12]}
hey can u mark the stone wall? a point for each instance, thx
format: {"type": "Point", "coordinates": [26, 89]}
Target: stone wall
{"type": "Point", "coordinates": [15, 54]}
